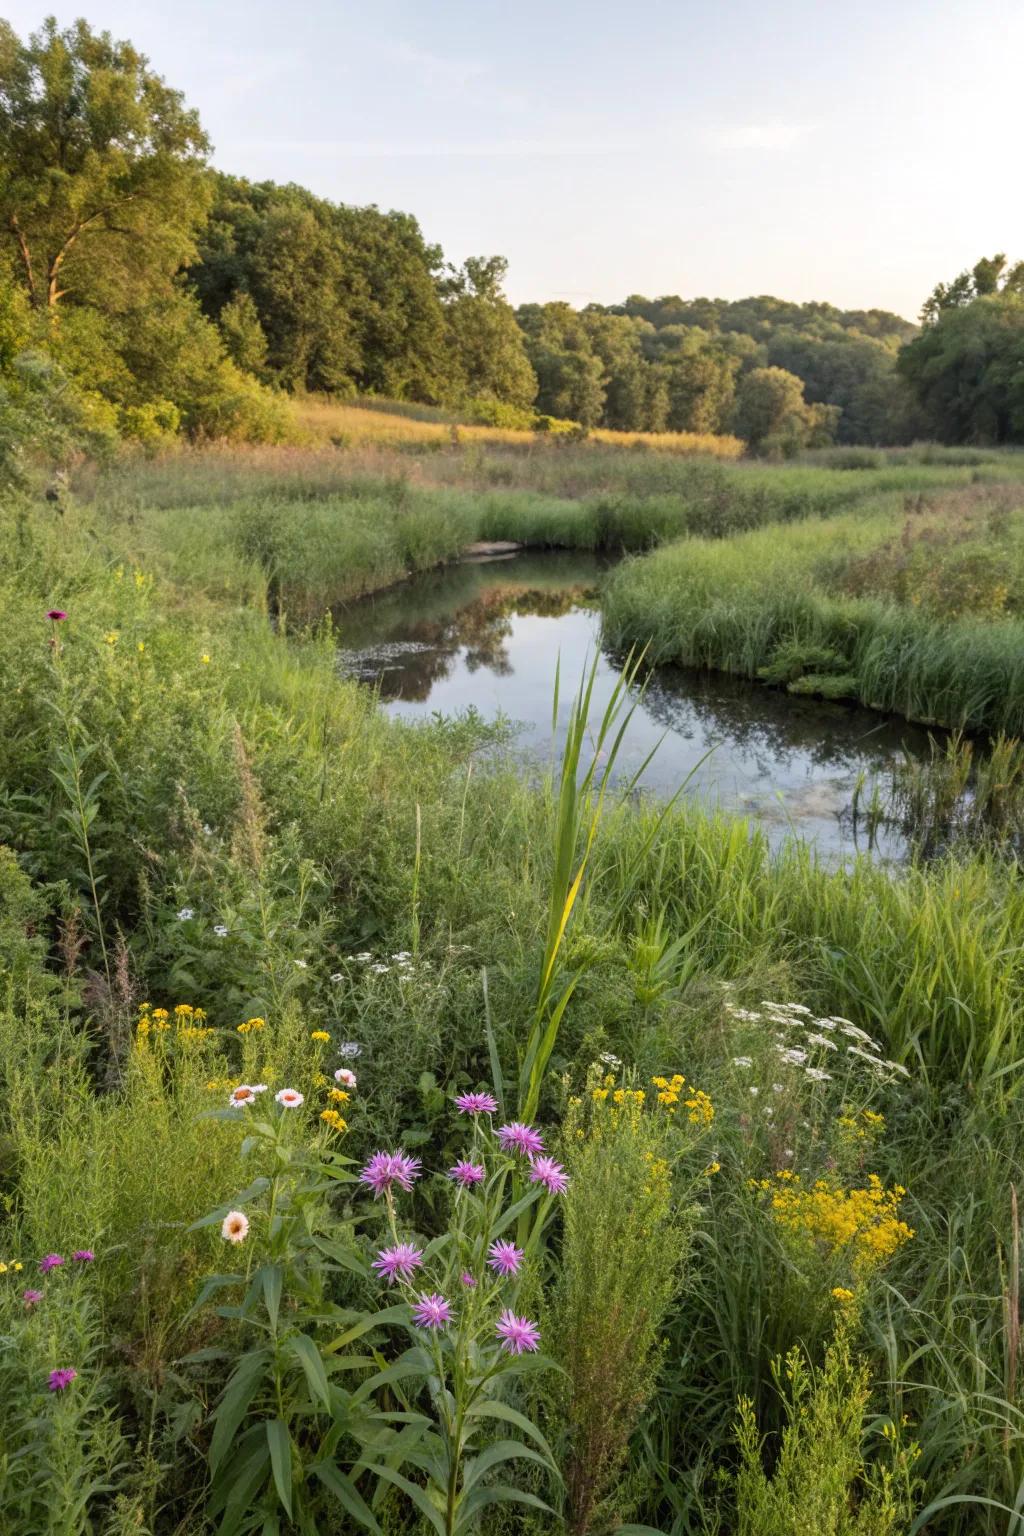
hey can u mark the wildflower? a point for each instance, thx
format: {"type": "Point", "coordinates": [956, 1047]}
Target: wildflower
{"type": "Point", "coordinates": [350, 1049]}
{"type": "Point", "coordinates": [332, 1118]}
{"type": "Point", "coordinates": [289, 1098]}
{"type": "Point", "coordinates": [793, 1054]}
{"type": "Point", "coordinates": [841, 1294]}
{"type": "Point", "coordinates": [343, 1075]}
{"type": "Point", "coordinates": [853, 1033]}
{"type": "Point", "coordinates": [432, 1312]}
{"type": "Point", "coordinates": [467, 1174]}
{"type": "Point", "coordinates": [607, 1059]}
{"type": "Point", "coordinates": [505, 1258]}
{"type": "Point", "coordinates": [61, 1379]}
{"type": "Point", "coordinates": [204, 658]}
{"type": "Point", "coordinates": [742, 1061]}
{"type": "Point", "coordinates": [235, 1227]}
{"type": "Point", "coordinates": [544, 1170]}
{"type": "Point", "coordinates": [711, 1168]}
{"type": "Point", "coordinates": [250, 1025]}
{"type": "Point", "coordinates": [398, 1263]}
{"type": "Point", "coordinates": [468, 1280]}
{"type": "Point", "coordinates": [301, 965]}
{"type": "Point", "coordinates": [818, 1075]}
{"type": "Point", "coordinates": [112, 636]}
{"type": "Point", "coordinates": [379, 968]}
{"type": "Point", "coordinates": [321, 1035]}
{"type": "Point", "coordinates": [241, 1096]}
{"type": "Point", "coordinates": [338, 1096]}
{"type": "Point", "coordinates": [220, 930]}
{"type": "Point", "coordinates": [387, 1168]}
{"type": "Point", "coordinates": [517, 1137]}
{"type": "Point", "coordinates": [337, 976]}
{"type": "Point", "coordinates": [17, 1265]}
{"type": "Point", "coordinates": [51, 1261]}
{"type": "Point", "coordinates": [517, 1334]}
{"type": "Point", "coordinates": [476, 1104]}
{"type": "Point", "coordinates": [258, 1087]}
{"type": "Point", "coordinates": [83, 1255]}
{"type": "Point", "coordinates": [30, 1297]}
{"type": "Point", "coordinates": [402, 956]}
{"type": "Point", "coordinates": [363, 957]}
{"type": "Point", "coordinates": [141, 646]}
{"type": "Point", "coordinates": [57, 615]}
{"type": "Point", "coordinates": [822, 1040]}
{"type": "Point", "coordinates": [185, 915]}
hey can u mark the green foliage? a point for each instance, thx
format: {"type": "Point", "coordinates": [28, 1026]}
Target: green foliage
{"type": "Point", "coordinates": [820, 1481]}
{"type": "Point", "coordinates": [773, 417]}
{"type": "Point", "coordinates": [963, 369]}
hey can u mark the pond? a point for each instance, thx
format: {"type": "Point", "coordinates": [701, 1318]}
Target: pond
{"type": "Point", "coordinates": [487, 633]}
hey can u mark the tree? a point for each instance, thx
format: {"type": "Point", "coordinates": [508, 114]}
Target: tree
{"type": "Point", "coordinates": [101, 183]}
{"type": "Point", "coordinates": [966, 369]}
{"type": "Point", "coordinates": [489, 359]}
{"type": "Point", "coordinates": [986, 277]}
{"type": "Point", "coordinates": [772, 415]}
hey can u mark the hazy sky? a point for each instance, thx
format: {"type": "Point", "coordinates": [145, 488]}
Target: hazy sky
{"type": "Point", "coordinates": [855, 151]}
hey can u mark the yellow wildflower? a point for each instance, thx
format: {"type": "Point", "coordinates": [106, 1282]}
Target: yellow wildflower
{"type": "Point", "coordinates": [842, 1295]}
{"type": "Point", "coordinates": [339, 1096]}
{"type": "Point", "coordinates": [333, 1119]}
{"type": "Point", "coordinates": [321, 1035]}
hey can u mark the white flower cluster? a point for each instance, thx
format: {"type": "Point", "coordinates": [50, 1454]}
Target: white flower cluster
{"type": "Point", "coordinates": [401, 963]}
{"type": "Point", "coordinates": [796, 1033]}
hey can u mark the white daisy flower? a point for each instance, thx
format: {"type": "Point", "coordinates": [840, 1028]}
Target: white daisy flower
{"type": "Point", "coordinates": [289, 1098]}
{"type": "Point", "coordinates": [235, 1227]}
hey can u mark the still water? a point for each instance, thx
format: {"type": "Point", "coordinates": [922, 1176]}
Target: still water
{"type": "Point", "coordinates": [488, 634]}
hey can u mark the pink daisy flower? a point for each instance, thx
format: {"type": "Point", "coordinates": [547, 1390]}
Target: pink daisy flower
{"type": "Point", "coordinates": [517, 1334]}
{"type": "Point", "coordinates": [552, 1175]}
{"type": "Point", "coordinates": [521, 1138]}
{"type": "Point", "coordinates": [476, 1103]}
{"type": "Point", "coordinates": [346, 1078]}
{"type": "Point", "coordinates": [289, 1098]}
{"type": "Point", "coordinates": [505, 1258]}
{"type": "Point", "coordinates": [397, 1263]}
{"type": "Point", "coordinates": [52, 1261]}
{"type": "Point", "coordinates": [235, 1227]}
{"type": "Point", "coordinates": [387, 1168]}
{"type": "Point", "coordinates": [61, 1379]}
{"type": "Point", "coordinates": [432, 1312]}
{"type": "Point", "coordinates": [467, 1173]}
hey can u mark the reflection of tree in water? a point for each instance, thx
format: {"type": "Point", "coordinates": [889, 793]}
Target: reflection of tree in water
{"type": "Point", "coordinates": [772, 725]}
{"type": "Point", "coordinates": [408, 668]}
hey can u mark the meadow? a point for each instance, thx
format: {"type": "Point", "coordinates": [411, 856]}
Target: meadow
{"type": "Point", "coordinates": [262, 1270]}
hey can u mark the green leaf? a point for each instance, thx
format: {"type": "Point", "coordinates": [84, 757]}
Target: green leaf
{"type": "Point", "coordinates": [308, 1356]}
{"type": "Point", "coordinates": [271, 1280]}
{"type": "Point", "coordinates": [494, 1455]}
{"type": "Point", "coordinates": [489, 1408]}
{"type": "Point", "coordinates": [234, 1404]}
{"type": "Point", "coordinates": [279, 1441]}
{"type": "Point", "coordinates": [347, 1494]}
{"type": "Point", "coordinates": [501, 1494]}
{"type": "Point", "coordinates": [396, 1314]}
{"type": "Point", "coordinates": [415, 1493]}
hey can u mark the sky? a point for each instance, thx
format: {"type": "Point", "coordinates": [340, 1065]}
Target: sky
{"type": "Point", "coordinates": [851, 150]}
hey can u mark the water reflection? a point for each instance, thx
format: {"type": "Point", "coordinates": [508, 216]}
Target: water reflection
{"type": "Point", "coordinates": [488, 635]}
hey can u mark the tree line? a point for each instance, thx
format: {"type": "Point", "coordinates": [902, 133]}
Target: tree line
{"type": "Point", "coordinates": [143, 294]}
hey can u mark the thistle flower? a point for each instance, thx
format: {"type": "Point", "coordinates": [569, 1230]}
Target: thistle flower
{"type": "Point", "coordinates": [468, 1280]}
{"type": "Point", "coordinates": [397, 1263]}
{"type": "Point", "coordinates": [235, 1227]}
{"type": "Point", "coordinates": [517, 1334]}
{"type": "Point", "coordinates": [521, 1138]}
{"type": "Point", "coordinates": [51, 1261]}
{"type": "Point", "coordinates": [465, 1173]}
{"type": "Point", "coordinates": [289, 1098]}
{"type": "Point", "coordinates": [544, 1170]}
{"type": "Point", "coordinates": [56, 615]}
{"type": "Point", "coordinates": [345, 1077]}
{"type": "Point", "coordinates": [61, 1379]}
{"type": "Point", "coordinates": [387, 1168]}
{"type": "Point", "coordinates": [83, 1255]}
{"type": "Point", "coordinates": [505, 1258]}
{"type": "Point", "coordinates": [476, 1104]}
{"type": "Point", "coordinates": [30, 1297]}
{"type": "Point", "coordinates": [432, 1312]}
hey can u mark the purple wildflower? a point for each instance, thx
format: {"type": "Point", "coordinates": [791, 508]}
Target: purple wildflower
{"type": "Point", "coordinates": [467, 1173]}
{"type": "Point", "coordinates": [56, 614]}
{"type": "Point", "coordinates": [468, 1280]}
{"type": "Point", "coordinates": [387, 1168]}
{"type": "Point", "coordinates": [505, 1258]}
{"type": "Point", "coordinates": [30, 1297]}
{"type": "Point", "coordinates": [432, 1311]}
{"type": "Point", "coordinates": [476, 1103]}
{"type": "Point", "coordinates": [61, 1379]}
{"type": "Point", "coordinates": [549, 1173]}
{"type": "Point", "coordinates": [521, 1138]}
{"type": "Point", "coordinates": [517, 1334]}
{"type": "Point", "coordinates": [83, 1255]}
{"type": "Point", "coordinates": [397, 1263]}
{"type": "Point", "coordinates": [52, 1261]}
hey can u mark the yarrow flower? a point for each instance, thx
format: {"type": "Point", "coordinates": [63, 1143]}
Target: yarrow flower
{"type": "Point", "coordinates": [544, 1170]}
{"type": "Point", "coordinates": [83, 1255]}
{"type": "Point", "coordinates": [235, 1227]}
{"type": "Point", "coordinates": [387, 1168]}
{"type": "Point", "coordinates": [398, 1263]}
{"type": "Point", "coordinates": [517, 1334]}
{"type": "Point", "coordinates": [185, 915]}
{"type": "Point", "coordinates": [505, 1258]}
{"type": "Point", "coordinates": [432, 1312]}
{"type": "Point", "coordinates": [61, 1379]}
{"type": "Point", "coordinates": [521, 1138]}
{"type": "Point", "coordinates": [30, 1297]}
{"type": "Point", "coordinates": [51, 1261]}
{"type": "Point", "coordinates": [350, 1049]}
{"type": "Point", "coordinates": [466, 1173]}
{"type": "Point", "coordinates": [343, 1075]}
{"type": "Point", "coordinates": [289, 1098]}
{"type": "Point", "coordinates": [476, 1104]}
